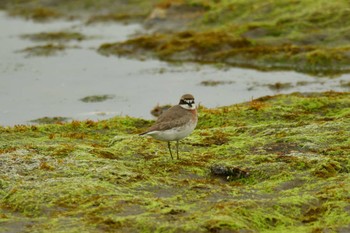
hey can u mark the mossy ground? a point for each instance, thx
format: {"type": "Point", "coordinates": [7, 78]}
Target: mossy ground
{"type": "Point", "coordinates": [293, 151]}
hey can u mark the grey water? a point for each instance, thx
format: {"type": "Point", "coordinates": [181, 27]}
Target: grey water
{"type": "Point", "coordinates": [32, 87]}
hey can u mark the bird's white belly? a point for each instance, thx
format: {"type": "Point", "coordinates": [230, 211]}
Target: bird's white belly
{"type": "Point", "coordinates": [173, 134]}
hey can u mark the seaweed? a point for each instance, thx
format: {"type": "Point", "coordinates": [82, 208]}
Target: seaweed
{"type": "Point", "coordinates": [278, 163]}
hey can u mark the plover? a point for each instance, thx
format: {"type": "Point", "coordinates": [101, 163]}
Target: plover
{"type": "Point", "coordinates": [176, 123]}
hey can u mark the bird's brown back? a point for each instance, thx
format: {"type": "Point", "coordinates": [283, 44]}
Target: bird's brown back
{"type": "Point", "coordinates": [176, 116]}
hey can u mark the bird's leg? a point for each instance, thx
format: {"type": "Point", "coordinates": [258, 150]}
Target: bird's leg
{"type": "Point", "coordinates": [170, 150]}
{"type": "Point", "coordinates": [177, 149]}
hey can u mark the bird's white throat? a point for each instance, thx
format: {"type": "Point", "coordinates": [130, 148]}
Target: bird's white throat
{"type": "Point", "coordinates": [188, 107]}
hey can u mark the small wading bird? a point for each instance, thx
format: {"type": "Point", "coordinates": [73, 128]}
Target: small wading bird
{"type": "Point", "coordinates": [175, 123]}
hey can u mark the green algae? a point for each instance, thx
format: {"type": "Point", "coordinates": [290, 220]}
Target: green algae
{"type": "Point", "coordinates": [285, 163]}
{"type": "Point", "coordinates": [55, 36]}
{"type": "Point", "coordinates": [305, 36]}
{"type": "Point", "coordinates": [91, 11]}
{"type": "Point", "coordinates": [213, 46]}
{"type": "Point", "coordinates": [279, 86]}
{"type": "Point", "coordinates": [49, 49]}
{"type": "Point", "coordinates": [345, 84]}
{"type": "Point", "coordinates": [213, 83]}
{"type": "Point", "coordinates": [37, 13]}
{"type": "Point", "coordinates": [96, 98]}
{"type": "Point", "coordinates": [50, 120]}
{"type": "Point", "coordinates": [55, 42]}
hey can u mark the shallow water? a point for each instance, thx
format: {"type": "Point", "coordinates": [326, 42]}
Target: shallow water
{"type": "Point", "coordinates": [34, 87]}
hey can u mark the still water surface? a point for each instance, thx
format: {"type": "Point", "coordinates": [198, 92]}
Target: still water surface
{"type": "Point", "coordinates": [33, 87]}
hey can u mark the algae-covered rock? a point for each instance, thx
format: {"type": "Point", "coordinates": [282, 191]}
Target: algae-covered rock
{"type": "Point", "coordinates": [307, 36]}
{"type": "Point", "coordinates": [274, 164]}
